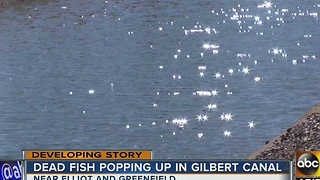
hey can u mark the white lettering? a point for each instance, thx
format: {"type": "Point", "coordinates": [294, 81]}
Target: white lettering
{"type": "Point", "coordinates": [48, 167]}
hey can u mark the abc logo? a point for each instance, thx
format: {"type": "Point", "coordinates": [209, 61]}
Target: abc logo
{"type": "Point", "coordinates": [308, 164]}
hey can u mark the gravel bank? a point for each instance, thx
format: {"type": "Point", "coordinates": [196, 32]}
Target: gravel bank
{"type": "Point", "coordinates": [303, 135]}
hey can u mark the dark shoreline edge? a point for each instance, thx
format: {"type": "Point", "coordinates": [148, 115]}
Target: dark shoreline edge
{"type": "Point", "coordinates": [304, 135]}
{"type": "Point", "coordinates": [4, 3]}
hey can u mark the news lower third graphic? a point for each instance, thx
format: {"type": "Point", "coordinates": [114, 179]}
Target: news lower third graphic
{"type": "Point", "coordinates": [88, 155]}
{"type": "Point", "coordinates": [11, 170]}
{"type": "Point", "coordinates": [157, 170]}
{"type": "Point", "coordinates": [307, 165]}
{"type": "Point", "coordinates": [139, 165]}
{"type": "Point", "coordinates": [166, 167]}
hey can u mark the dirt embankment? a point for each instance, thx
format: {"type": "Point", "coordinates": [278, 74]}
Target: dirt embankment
{"type": "Point", "coordinates": [303, 135]}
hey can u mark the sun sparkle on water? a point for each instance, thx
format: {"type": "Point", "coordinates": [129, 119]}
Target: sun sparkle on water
{"type": "Point", "coordinates": [240, 16]}
{"type": "Point", "coordinates": [220, 73]}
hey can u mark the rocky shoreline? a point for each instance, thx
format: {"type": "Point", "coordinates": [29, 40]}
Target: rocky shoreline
{"type": "Point", "coordinates": [303, 135]}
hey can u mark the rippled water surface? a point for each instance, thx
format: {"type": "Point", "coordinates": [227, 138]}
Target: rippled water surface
{"type": "Point", "coordinates": [189, 79]}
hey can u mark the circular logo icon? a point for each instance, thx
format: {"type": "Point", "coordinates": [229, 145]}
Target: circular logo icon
{"type": "Point", "coordinates": [308, 164]}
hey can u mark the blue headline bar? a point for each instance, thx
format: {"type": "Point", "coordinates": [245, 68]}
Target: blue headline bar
{"type": "Point", "coordinates": [10, 170]}
{"type": "Point", "coordinates": [53, 167]}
